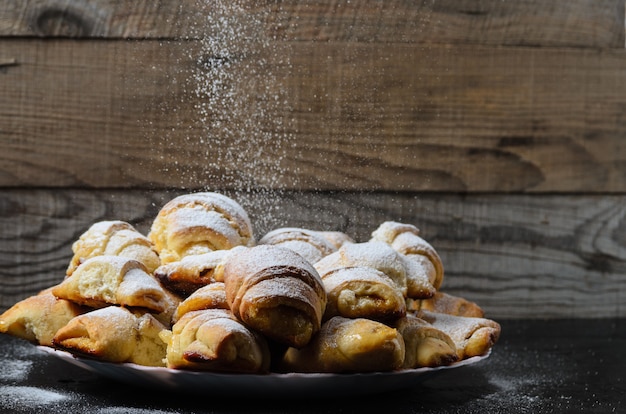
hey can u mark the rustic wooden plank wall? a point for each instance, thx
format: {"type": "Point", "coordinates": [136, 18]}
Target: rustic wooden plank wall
{"type": "Point", "coordinates": [496, 127]}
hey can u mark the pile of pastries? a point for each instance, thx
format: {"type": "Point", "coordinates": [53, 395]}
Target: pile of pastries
{"type": "Point", "coordinates": [199, 292]}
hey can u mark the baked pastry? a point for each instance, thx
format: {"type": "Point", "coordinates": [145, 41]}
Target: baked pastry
{"type": "Point", "coordinates": [113, 238]}
{"type": "Point", "coordinates": [171, 301]}
{"type": "Point", "coordinates": [113, 280]}
{"type": "Point", "coordinates": [472, 336]}
{"type": "Point", "coordinates": [362, 292]}
{"type": "Point", "coordinates": [425, 345]}
{"type": "Point", "coordinates": [376, 255]}
{"type": "Point", "coordinates": [38, 318]}
{"type": "Point", "coordinates": [309, 244]}
{"type": "Point", "coordinates": [114, 334]}
{"type": "Point", "coordinates": [346, 345]}
{"type": "Point", "coordinates": [198, 223]}
{"type": "Point", "coordinates": [420, 274]}
{"type": "Point", "coordinates": [405, 239]}
{"type": "Point", "coordinates": [192, 272]}
{"type": "Point", "coordinates": [335, 238]}
{"type": "Point", "coordinates": [446, 303]}
{"type": "Point", "coordinates": [276, 292]}
{"type": "Point", "coordinates": [214, 340]}
{"type": "Point", "coordinates": [211, 296]}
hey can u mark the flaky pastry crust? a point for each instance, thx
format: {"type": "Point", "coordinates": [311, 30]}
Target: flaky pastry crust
{"type": "Point", "coordinates": [276, 292]}
{"type": "Point", "coordinates": [198, 223]}
{"type": "Point", "coordinates": [307, 243]}
{"type": "Point", "coordinates": [348, 345]}
{"type": "Point", "coordinates": [113, 280]}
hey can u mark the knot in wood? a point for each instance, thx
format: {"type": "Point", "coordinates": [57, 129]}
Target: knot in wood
{"type": "Point", "coordinates": [61, 22]}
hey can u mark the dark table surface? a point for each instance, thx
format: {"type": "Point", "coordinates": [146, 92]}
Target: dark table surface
{"type": "Point", "coordinates": [558, 366]}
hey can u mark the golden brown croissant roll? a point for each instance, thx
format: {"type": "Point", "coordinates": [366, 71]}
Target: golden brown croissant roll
{"type": "Point", "coordinates": [362, 292]}
{"type": "Point", "coordinates": [211, 296]}
{"type": "Point", "coordinates": [309, 244]}
{"type": "Point", "coordinates": [113, 238]}
{"type": "Point", "coordinates": [348, 345]}
{"type": "Point", "coordinates": [38, 318]}
{"type": "Point", "coordinates": [114, 334]}
{"type": "Point", "coordinates": [192, 272]}
{"type": "Point", "coordinates": [276, 292]}
{"type": "Point", "coordinates": [472, 336]}
{"type": "Point", "coordinates": [199, 223]}
{"type": "Point", "coordinates": [425, 345]}
{"type": "Point", "coordinates": [446, 303]}
{"type": "Point", "coordinates": [113, 280]}
{"type": "Point", "coordinates": [376, 255]}
{"type": "Point", "coordinates": [405, 239]}
{"type": "Point", "coordinates": [214, 340]}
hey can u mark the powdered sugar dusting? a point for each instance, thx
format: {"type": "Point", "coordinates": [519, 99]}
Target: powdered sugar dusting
{"type": "Point", "coordinates": [266, 257]}
{"type": "Point", "coordinates": [362, 274]}
{"type": "Point", "coordinates": [185, 221]}
{"type": "Point", "coordinates": [130, 410]}
{"type": "Point", "coordinates": [15, 370]}
{"type": "Point", "coordinates": [22, 397]}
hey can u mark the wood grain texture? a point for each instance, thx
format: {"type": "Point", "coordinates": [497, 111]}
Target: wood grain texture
{"type": "Point", "coordinates": [496, 127]}
{"type": "Point", "coordinates": [312, 116]}
{"type": "Point", "coordinates": [519, 256]}
{"type": "Point", "coordinates": [99, 18]}
{"type": "Point", "coordinates": [491, 22]}
{"type": "Point", "coordinates": [576, 23]}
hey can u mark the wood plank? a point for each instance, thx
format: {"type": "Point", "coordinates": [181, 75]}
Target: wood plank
{"type": "Point", "coordinates": [99, 18]}
{"type": "Point", "coordinates": [311, 116]}
{"type": "Point", "coordinates": [519, 256]}
{"type": "Point", "coordinates": [579, 23]}
{"type": "Point", "coordinates": [490, 22]}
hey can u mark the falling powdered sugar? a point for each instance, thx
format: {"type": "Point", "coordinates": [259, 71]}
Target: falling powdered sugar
{"type": "Point", "coordinates": [241, 103]}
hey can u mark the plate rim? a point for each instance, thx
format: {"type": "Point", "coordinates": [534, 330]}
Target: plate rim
{"type": "Point", "coordinates": [87, 362]}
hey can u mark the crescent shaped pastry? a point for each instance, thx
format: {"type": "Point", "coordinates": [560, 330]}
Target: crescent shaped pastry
{"type": "Point", "coordinates": [113, 238]}
{"type": "Point", "coordinates": [336, 238]}
{"type": "Point", "coordinates": [199, 223]}
{"type": "Point", "coordinates": [211, 296]}
{"type": "Point", "coordinates": [276, 292]}
{"type": "Point", "coordinates": [113, 280]}
{"type": "Point", "coordinates": [309, 244]}
{"type": "Point", "coordinates": [445, 303]}
{"type": "Point", "coordinates": [346, 345]}
{"type": "Point", "coordinates": [472, 336]}
{"type": "Point", "coordinates": [193, 272]}
{"type": "Point", "coordinates": [376, 255]}
{"type": "Point", "coordinates": [115, 334]}
{"type": "Point", "coordinates": [405, 239]}
{"type": "Point", "coordinates": [38, 318]}
{"type": "Point", "coordinates": [214, 340]}
{"type": "Point", "coordinates": [425, 345]}
{"type": "Point", "coordinates": [362, 292]}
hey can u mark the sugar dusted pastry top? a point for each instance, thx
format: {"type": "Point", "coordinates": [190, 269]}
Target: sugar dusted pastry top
{"type": "Point", "coordinates": [113, 280]}
{"type": "Point", "coordinates": [376, 255]}
{"type": "Point", "coordinates": [277, 292]}
{"type": "Point", "coordinates": [113, 238]}
{"type": "Point", "coordinates": [114, 334]}
{"type": "Point", "coordinates": [405, 239]}
{"type": "Point", "coordinates": [308, 243]}
{"type": "Point", "coordinates": [199, 223]}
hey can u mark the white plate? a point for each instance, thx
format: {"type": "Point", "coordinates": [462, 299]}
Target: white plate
{"type": "Point", "coordinates": [270, 385]}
